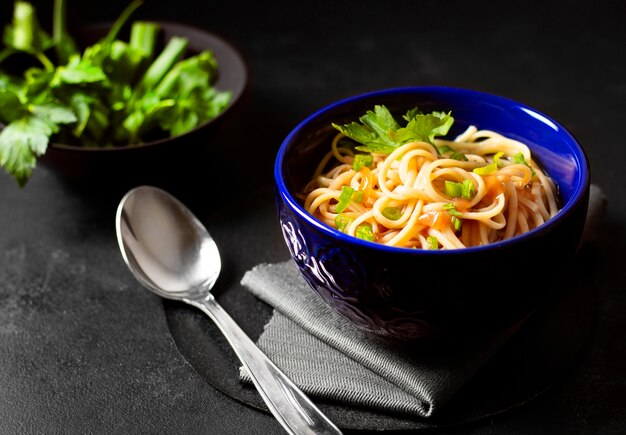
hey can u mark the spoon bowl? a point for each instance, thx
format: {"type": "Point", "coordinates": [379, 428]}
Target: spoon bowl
{"type": "Point", "coordinates": [183, 261]}
{"type": "Point", "coordinates": [172, 254]}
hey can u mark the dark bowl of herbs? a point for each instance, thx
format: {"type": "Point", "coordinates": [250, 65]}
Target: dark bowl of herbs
{"type": "Point", "coordinates": [129, 101]}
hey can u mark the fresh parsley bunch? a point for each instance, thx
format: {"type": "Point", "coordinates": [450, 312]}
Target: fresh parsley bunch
{"type": "Point", "coordinates": [112, 93]}
{"type": "Point", "coordinates": [379, 132]}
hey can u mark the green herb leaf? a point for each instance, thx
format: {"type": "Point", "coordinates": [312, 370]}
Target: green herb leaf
{"type": "Point", "coordinates": [26, 138]}
{"type": "Point", "coordinates": [424, 127]}
{"type": "Point", "coordinates": [77, 71]}
{"type": "Point", "coordinates": [20, 143]}
{"type": "Point", "coordinates": [11, 107]}
{"type": "Point", "coordinates": [358, 132]}
{"type": "Point", "coordinates": [379, 132]}
{"type": "Point", "coordinates": [54, 114]}
{"type": "Point", "coordinates": [114, 92]}
{"type": "Point", "coordinates": [382, 123]}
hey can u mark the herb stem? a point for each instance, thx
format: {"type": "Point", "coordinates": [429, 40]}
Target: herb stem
{"type": "Point", "coordinates": [47, 64]}
{"type": "Point", "coordinates": [121, 20]}
{"type": "Point", "coordinates": [143, 37]}
{"type": "Point", "coordinates": [172, 52]}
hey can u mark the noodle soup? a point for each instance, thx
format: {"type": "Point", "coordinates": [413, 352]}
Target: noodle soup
{"type": "Point", "coordinates": [458, 221]}
{"type": "Point", "coordinates": [407, 186]}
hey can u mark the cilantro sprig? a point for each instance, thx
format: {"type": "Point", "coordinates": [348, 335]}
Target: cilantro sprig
{"type": "Point", "coordinates": [379, 132]}
{"type": "Point", "coordinates": [112, 93]}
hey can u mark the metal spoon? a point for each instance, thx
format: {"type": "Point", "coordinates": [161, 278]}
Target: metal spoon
{"type": "Point", "coordinates": [171, 253]}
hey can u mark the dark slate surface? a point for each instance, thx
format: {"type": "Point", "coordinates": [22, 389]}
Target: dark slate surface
{"type": "Point", "coordinates": [84, 349]}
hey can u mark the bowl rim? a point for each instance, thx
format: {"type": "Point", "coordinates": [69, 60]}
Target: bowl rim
{"type": "Point", "coordinates": [579, 192]}
{"type": "Point", "coordinates": [175, 27]}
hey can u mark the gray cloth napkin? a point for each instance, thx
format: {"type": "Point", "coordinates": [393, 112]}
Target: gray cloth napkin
{"type": "Point", "coordinates": [328, 357]}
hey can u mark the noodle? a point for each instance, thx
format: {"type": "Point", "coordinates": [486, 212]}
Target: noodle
{"type": "Point", "coordinates": [402, 198]}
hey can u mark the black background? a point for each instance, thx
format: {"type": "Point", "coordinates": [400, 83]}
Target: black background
{"type": "Point", "coordinates": [84, 350]}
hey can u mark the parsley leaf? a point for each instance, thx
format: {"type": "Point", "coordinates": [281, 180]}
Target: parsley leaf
{"type": "Point", "coordinates": [379, 132]}
{"type": "Point", "coordinates": [424, 127]}
{"type": "Point", "coordinates": [77, 71]}
{"type": "Point", "coordinates": [27, 137]}
{"type": "Point", "coordinates": [10, 105]}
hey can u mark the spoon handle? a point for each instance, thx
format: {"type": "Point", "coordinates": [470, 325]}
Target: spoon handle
{"type": "Point", "coordinates": [293, 409]}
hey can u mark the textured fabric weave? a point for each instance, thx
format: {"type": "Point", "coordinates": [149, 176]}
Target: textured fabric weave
{"type": "Point", "coordinates": [327, 356]}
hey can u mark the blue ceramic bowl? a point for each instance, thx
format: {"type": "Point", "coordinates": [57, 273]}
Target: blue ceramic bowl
{"type": "Point", "coordinates": [408, 293]}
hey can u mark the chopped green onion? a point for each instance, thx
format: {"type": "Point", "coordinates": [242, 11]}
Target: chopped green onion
{"type": "Point", "coordinates": [392, 213]}
{"type": "Point", "coordinates": [364, 231]}
{"type": "Point", "coordinates": [451, 208]}
{"type": "Point", "coordinates": [458, 156]}
{"type": "Point", "coordinates": [519, 158]}
{"type": "Point", "coordinates": [457, 223]}
{"type": "Point", "coordinates": [486, 170]}
{"type": "Point", "coordinates": [444, 149]}
{"type": "Point", "coordinates": [468, 189]}
{"type": "Point", "coordinates": [344, 199]}
{"type": "Point", "coordinates": [348, 194]}
{"type": "Point", "coordinates": [342, 222]}
{"type": "Point", "coordinates": [496, 158]}
{"type": "Point", "coordinates": [432, 243]}
{"type": "Point", "coordinates": [362, 160]}
{"type": "Point", "coordinates": [453, 189]}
